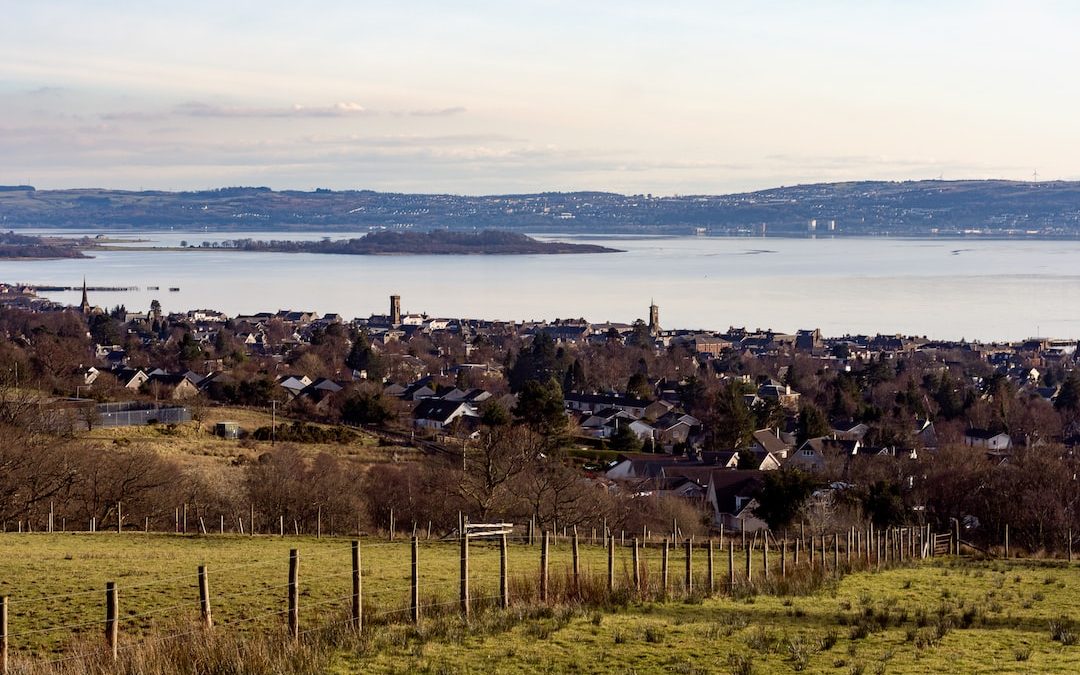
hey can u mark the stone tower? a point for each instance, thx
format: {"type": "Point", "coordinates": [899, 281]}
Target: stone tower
{"type": "Point", "coordinates": [654, 319]}
{"type": "Point", "coordinates": [395, 310]}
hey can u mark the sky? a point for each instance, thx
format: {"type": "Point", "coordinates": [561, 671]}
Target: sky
{"type": "Point", "coordinates": [532, 95]}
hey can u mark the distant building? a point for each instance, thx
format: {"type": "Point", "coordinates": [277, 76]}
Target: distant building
{"type": "Point", "coordinates": [654, 320]}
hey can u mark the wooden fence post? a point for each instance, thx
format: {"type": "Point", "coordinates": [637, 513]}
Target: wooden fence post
{"type": "Point", "coordinates": [709, 565]}
{"type": "Point", "coordinates": [689, 581]}
{"type": "Point", "coordinates": [204, 598]}
{"type": "Point", "coordinates": [4, 635]}
{"type": "Point", "coordinates": [956, 530]}
{"type": "Point", "coordinates": [611, 564]}
{"type": "Point", "coordinates": [112, 621]}
{"type": "Point", "coordinates": [1006, 541]}
{"type": "Point", "coordinates": [294, 594]}
{"type": "Point", "coordinates": [798, 544]}
{"type": "Point", "coordinates": [119, 519]}
{"type": "Point", "coordinates": [731, 566]}
{"type": "Point", "coordinates": [749, 563]}
{"type": "Point", "coordinates": [664, 567]}
{"type": "Point", "coordinates": [414, 588]}
{"type": "Point", "coordinates": [637, 567]}
{"type": "Point", "coordinates": [357, 609]}
{"type": "Point", "coordinates": [836, 553]}
{"type": "Point", "coordinates": [1070, 545]}
{"type": "Point", "coordinates": [504, 586]}
{"type": "Point", "coordinates": [576, 556]}
{"type": "Point", "coordinates": [251, 520]}
{"type": "Point", "coordinates": [765, 556]}
{"type": "Point", "coordinates": [783, 558]}
{"type": "Point", "coordinates": [464, 572]}
{"type": "Point", "coordinates": [392, 524]}
{"type": "Point", "coordinates": [544, 543]}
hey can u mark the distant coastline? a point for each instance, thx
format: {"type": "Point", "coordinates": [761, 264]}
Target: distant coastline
{"type": "Point", "coordinates": [439, 242]}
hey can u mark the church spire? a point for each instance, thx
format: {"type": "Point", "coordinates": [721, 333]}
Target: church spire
{"type": "Point", "coordinates": [85, 304]}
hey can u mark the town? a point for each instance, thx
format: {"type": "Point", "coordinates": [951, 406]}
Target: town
{"type": "Point", "coordinates": [732, 431]}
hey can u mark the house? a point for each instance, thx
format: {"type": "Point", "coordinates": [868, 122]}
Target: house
{"type": "Point", "coordinates": [590, 402]}
{"type": "Point", "coordinates": [817, 453]}
{"type": "Point", "coordinates": [731, 495]}
{"type": "Point", "coordinates": [782, 394]}
{"type": "Point", "coordinates": [436, 414]}
{"type": "Point", "coordinates": [171, 385]}
{"type": "Point", "coordinates": [293, 384]}
{"type": "Point", "coordinates": [131, 378]}
{"type": "Point", "coordinates": [987, 440]}
{"type": "Point", "coordinates": [771, 442]}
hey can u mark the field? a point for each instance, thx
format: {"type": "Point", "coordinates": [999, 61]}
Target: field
{"type": "Point", "coordinates": [934, 618]}
{"type": "Point", "coordinates": [945, 615]}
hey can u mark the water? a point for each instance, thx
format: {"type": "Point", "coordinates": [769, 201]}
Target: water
{"type": "Point", "coordinates": [976, 289]}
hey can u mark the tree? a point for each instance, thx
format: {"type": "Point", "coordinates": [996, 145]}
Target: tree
{"type": "Point", "coordinates": [540, 407]}
{"type": "Point", "coordinates": [884, 504]}
{"type": "Point", "coordinates": [782, 496]}
{"type": "Point", "coordinates": [625, 440]}
{"type": "Point", "coordinates": [638, 386]}
{"type": "Point", "coordinates": [812, 423]}
{"type": "Point", "coordinates": [541, 361]}
{"type": "Point", "coordinates": [730, 422]}
{"type": "Point", "coordinates": [365, 359]}
{"type": "Point", "coordinates": [366, 407]}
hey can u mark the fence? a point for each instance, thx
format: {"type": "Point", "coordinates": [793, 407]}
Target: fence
{"type": "Point", "coordinates": [495, 569]}
{"type": "Point", "coordinates": [134, 413]}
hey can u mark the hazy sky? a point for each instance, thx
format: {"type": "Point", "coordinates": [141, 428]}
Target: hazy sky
{"type": "Point", "coordinates": [486, 97]}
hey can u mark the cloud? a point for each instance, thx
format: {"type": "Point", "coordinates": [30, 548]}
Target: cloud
{"type": "Point", "coordinates": [438, 112]}
{"type": "Point", "coordinates": [343, 109]}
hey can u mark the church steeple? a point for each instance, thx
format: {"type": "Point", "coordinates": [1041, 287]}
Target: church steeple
{"type": "Point", "coordinates": [85, 304]}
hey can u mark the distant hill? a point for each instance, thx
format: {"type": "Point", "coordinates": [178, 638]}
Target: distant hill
{"type": "Point", "coordinates": [867, 207]}
{"type": "Point", "coordinates": [438, 242]}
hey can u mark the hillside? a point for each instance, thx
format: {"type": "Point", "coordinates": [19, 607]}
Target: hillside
{"type": "Point", "coordinates": [915, 207]}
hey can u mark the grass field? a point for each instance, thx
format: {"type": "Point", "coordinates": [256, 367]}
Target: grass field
{"type": "Point", "coordinates": [56, 582]}
{"type": "Point", "coordinates": [946, 615]}
{"type": "Point", "coordinates": [935, 618]}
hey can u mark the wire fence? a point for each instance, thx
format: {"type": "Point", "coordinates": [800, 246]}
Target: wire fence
{"type": "Point", "coordinates": [355, 583]}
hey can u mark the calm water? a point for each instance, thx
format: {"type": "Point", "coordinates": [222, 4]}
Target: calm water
{"type": "Point", "coordinates": [939, 288]}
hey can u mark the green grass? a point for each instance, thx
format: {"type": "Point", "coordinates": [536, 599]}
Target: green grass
{"type": "Point", "coordinates": [56, 582]}
{"type": "Point", "coordinates": [942, 616]}
{"type": "Point", "coordinates": [935, 618]}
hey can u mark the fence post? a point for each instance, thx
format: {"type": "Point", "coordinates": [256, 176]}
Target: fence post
{"type": "Point", "coordinates": [798, 545]}
{"type": "Point", "coordinates": [318, 524]}
{"type": "Point", "coordinates": [611, 564]}
{"type": "Point", "coordinates": [464, 572]}
{"type": "Point", "coordinates": [637, 567]}
{"type": "Point", "coordinates": [204, 598]}
{"type": "Point", "coordinates": [1070, 545]}
{"type": "Point", "coordinates": [414, 592]}
{"type": "Point", "coordinates": [392, 524]}
{"type": "Point", "coordinates": [836, 553]}
{"type": "Point", "coordinates": [731, 566]}
{"type": "Point", "coordinates": [1006, 541]}
{"type": "Point", "coordinates": [576, 561]}
{"type": "Point", "coordinates": [504, 587]}
{"type": "Point", "coordinates": [749, 562]}
{"type": "Point", "coordinates": [294, 594]}
{"type": "Point", "coordinates": [783, 558]}
{"type": "Point", "coordinates": [812, 538]}
{"type": "Point", "coordinates": [689, 583]}
{"type": "Point", "coordinates": [119, 519]}
{"type": "Point", "coordinates": [709, 564]}
{"type": "Point", "coordinates": [356, 613]}
{"type": "Point", "coordinates": [112, 613]}
{"type": "Point", "coordinates": [664, 567]}
{"type": "Point", "coordinates": [765, 555]}
{"type": "Point", "coordinates": [544, 565]}
{"type": "Point", "coordinates": [956, 530]}
{"type": "Point", "coordinates": [3, 635]}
